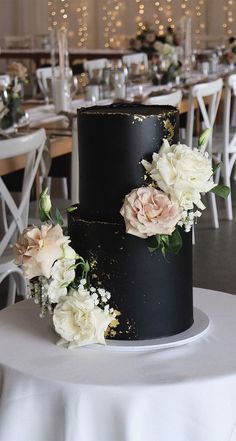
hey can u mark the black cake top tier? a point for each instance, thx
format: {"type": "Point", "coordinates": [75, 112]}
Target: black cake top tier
{"type": "Point", "coordinates": [112, 142]}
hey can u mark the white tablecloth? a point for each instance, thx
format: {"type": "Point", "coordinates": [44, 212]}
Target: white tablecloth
{"type": "Point", "coordinates": [186, 393]}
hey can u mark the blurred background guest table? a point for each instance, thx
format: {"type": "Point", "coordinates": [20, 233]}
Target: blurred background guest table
{"type": "Point", "coordinates": [181, 393]}
{"type": "Point", "coordinates": [74, 54]}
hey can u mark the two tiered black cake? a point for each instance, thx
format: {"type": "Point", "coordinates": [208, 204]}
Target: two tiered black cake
{"type": "Point", "coordinates": [152, 294]}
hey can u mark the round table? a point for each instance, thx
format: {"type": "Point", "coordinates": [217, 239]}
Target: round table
{"type": "Point", "coordinates": [186, 393]}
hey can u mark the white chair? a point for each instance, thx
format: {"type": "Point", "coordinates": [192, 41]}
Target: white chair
{"type": "Point", "coordinates": [15, 214]}
{"type": "Point", "coordinates": [224, 144]}
{"type": "Point", "coordinates": [140, 59]}
{"type": "Point", "coordinates": [208, 98]}
{"type": "Point", "coordinates": [44, 75]}
{"type": "Point", "coordinates": [61, 203]}
{"type": "Point", "coordinates": [171, 99]}
{"type": "Point", "coordinates": [98, 64]}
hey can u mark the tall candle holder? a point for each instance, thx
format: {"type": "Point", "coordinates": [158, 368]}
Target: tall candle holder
{"type": "Point", "coordinates": [61, 82]}
{"type": "Point", "coordinates": [186, 43]}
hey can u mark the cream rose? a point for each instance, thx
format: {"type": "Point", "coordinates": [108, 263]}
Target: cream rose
{"type": "Point", "coordinates": [63, 271]}
{"type": "Point", "coordinates": [148, 211]}
{"type": "Point", "coordinates": [38, 249]}
{"type": "Point", "coordinates": [79, 321]}
{"type": "Point", "coordinates": [182, 173]}
{"type": "Point", "coordinates": [55, 291]}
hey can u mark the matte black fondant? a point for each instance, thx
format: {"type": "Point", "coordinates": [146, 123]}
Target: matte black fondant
{"type": "Point", "coordinates": [112, 141]}
{"type": "Point", "coordinates": [153, 294]}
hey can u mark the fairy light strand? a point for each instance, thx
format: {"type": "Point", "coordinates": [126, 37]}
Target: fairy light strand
{"type": "Point", "coordinates": [199, 21]}
{"type": "Point", "coordinates": [112, 22]}
{"type": "Point", "coordinates": [229, 17]}
{"type": "Point", "coordinates": [82, 20]}
{"type": "Point", "coordinates": [185, 7]}
{"type": "Point", "coordinates": [63, 14]}
{"type": "Point", "coordinates": [140, 16]}
{"type": "Point", "coordinates": [169, 14]}
{"type": "Point", "coordinates": [52, 15]}
{"type": "Point", "coordinates": [58, 14]}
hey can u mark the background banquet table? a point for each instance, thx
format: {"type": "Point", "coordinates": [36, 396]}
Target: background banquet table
{"type": "Point", "coordinates": [74, 54]}
{"type": "Point", "coordinates": [185, 393]}
{"type": "Point", "coordinates": [43, 115]}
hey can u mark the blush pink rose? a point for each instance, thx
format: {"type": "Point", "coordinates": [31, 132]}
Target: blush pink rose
{"type": "Point", "coordinates": [148, 212]}
{"type": "Point", "coordinates": [38, 248]}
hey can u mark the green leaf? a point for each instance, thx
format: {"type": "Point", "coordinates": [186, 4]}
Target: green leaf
{"type": "Point", "coordinates": [175, 242]}
{"type": "Point", "coordinates": [86, 267]}
{"type": "Point", "coordinates": [58, 217]}
{"type": "Point", "coordinates": [71, 209]}
{"type": "Point", "coordinates": [154, 243]}
{"type": "Point", "coordinates": [167, 243]}
{"type": "Point", "coordinates": [43, 216]}
{"type": "Point", "coordinates": [204, 137]}
{"type": "Point", "coordinates": [152, 249]}
{"type": "Point", "coordinates": [216, 166]}
{"type": "Point", "coordinates": [221, 190]}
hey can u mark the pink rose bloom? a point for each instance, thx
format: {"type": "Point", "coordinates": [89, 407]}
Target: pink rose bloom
{"type": "Point", "coordinates": [38, 249]}
{"type": "Point", "coordinates": [148, 212]}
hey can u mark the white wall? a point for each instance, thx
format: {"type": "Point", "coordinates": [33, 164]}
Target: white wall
{"type": "Point", "coordinates": [19, 17]}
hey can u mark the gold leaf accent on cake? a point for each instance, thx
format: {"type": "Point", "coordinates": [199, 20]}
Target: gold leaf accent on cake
{"type": "Point", "coordinates": [110, 331]}
{"type": "Point", "coordinates": [170, 129]}
{"type": "Point", "coordinates": [139, 118]}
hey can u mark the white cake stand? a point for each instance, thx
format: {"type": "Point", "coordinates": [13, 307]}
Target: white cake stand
{"type": "Point", "coordinates": [197, 330]}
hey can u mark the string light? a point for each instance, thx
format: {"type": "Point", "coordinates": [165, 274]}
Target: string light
{"type": "Point", "coordinates": [229, 17]}
{"type": "Point", "coordinates": [156, 15]}
{"type": "Point", "coordinates": [82, 21]}
{"type": "Point", "coordinates": [199, 20]}
{"type": "Point", "coordinates": [58, 17]}
{"type": "Point", "coordinates": [185, 7]}
{"type": "Point", "coordinates": [169, 14]}
{"type": "Point", "coordinates": [52, 21]}
{"type": "Point", "coordinates": [140, 16]}
{"type": "Point", "coordinates": [63, 7]}
{"type": "Point", "coordinates": [58, 14]}
{"type": "Point", "coordinates": [112, 22]}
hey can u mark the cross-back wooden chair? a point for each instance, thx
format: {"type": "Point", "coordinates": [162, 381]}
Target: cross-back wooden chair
{"type": "Point", "coordinates": [208, 97]}
{"type": "Point", "coordinates": [29, 149]}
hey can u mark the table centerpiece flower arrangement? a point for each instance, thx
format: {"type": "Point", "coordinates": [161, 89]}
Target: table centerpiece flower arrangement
{"type": "Point", "coordinates": [10, 96]}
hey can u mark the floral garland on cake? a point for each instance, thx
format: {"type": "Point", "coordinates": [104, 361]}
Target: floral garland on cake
{"type": "Point", "coordinates": [80, 312]}
{"type": "Point", "coordinates": [81, 315]}
{"type": "Point", "coordinates": [177, 177]}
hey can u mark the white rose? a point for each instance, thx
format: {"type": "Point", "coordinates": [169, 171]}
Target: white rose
{"type": "Point", "coordinates": [79, 321]}
{"type": "Point", "coordinates": [62, 271]}
{"type": "Point", "coordinates": [69, 252]}
{"type": "Point", "coordinates": [55, 291]}
{"type": "Point", "coordinates": [182, 173]}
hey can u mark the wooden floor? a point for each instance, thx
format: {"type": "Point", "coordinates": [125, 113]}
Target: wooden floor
{"type": "Point", "coordinates": [214, 254]}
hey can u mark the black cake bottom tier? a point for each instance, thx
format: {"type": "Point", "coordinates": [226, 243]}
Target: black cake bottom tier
{"type": "Point", "coordinates": [152, 294]}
